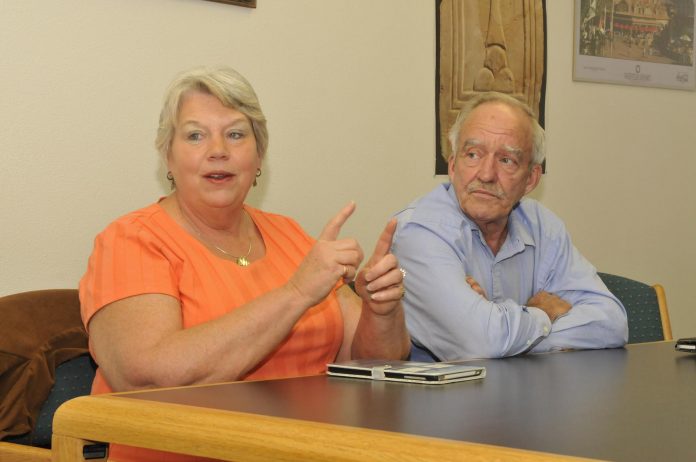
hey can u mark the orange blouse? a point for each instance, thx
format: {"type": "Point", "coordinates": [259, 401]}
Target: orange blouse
{"type": "Point", "coordinates": [146, 251]}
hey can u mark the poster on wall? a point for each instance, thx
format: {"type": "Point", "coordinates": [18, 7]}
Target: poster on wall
{"type": "Point", "coordinates": [635, 42]}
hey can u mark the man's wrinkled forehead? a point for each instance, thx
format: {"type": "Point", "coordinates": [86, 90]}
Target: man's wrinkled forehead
{"type": "Point", "coordinates": [516, 151]}
{"type": "Point", "coordinates": [497, 119]}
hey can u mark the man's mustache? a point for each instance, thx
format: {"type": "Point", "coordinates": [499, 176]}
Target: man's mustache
{"type": "Point", "coordinates": [489, 188]}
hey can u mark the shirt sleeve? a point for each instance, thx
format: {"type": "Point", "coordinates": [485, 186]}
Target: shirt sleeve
{"type": "Point", "coordinates": [449, 318]}
{"type": "Point", "coordinates": [127, 260]}
{"type": "Point", "coordinates": [597, 318]}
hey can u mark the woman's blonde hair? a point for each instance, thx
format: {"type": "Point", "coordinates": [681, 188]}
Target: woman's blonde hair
{"type": "Point", "coordinates": [227, 85]}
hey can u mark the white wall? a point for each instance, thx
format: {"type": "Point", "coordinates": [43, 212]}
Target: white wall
{"type": "Point", "coordinates": [621, 173]}
{"type": "Point", "coordinates": [348, 88]}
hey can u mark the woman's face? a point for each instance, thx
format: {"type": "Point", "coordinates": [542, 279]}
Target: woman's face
{"type": "Point", "coordinates": [213, 155]}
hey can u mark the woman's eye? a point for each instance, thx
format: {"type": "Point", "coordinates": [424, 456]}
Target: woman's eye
{"type": "Point", "coordinates": [236, 135]}
{"type": "Point", "coordinates": [194, 136]}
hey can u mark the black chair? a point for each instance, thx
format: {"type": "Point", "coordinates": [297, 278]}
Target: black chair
{"type": "Point", "coordinates": [646, 307]}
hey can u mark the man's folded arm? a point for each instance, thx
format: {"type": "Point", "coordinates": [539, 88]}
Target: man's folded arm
{"type": "Point", "coordinates": [446, 316]}
{"type": "Point", "coordinates": [597, 318]}
{"type": "Point", "coordinates": [595, 321]}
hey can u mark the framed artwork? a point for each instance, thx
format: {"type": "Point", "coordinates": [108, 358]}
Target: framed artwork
{"type": "Point", "coordinates": [247, 3]}
{"type": "Point", "coordinates": [487, 45]}
{"type": "Point", "coordinates": [632, 42]}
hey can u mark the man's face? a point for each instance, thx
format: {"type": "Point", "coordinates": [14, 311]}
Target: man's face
{"type": "Point", "coordinates": [491, 171]}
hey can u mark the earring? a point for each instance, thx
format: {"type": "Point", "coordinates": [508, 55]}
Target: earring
{"type": "Point", "coordinates": [258, 174]}
{"type": "Point", "coordinates": [170, 177]}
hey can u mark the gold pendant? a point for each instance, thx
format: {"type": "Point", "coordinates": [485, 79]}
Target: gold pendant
{"type": "Point", "coordinates": [242, 261]}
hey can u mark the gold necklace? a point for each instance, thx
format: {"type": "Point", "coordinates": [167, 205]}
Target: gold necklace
{"type": "Point", "coordinates": [241, 260]}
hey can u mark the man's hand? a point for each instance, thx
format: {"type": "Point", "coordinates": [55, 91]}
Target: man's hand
{"type": "Point", "coordinates": [476, 287]}
{"type": "Point", "coordinates": [553, 305]}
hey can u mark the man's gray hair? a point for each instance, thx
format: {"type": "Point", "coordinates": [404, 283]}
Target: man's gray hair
{"type": "Point", "coordinates": [538, 135]}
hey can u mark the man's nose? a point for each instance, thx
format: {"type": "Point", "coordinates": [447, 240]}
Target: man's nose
{"type": "Point", "coordinates": [487, 169]}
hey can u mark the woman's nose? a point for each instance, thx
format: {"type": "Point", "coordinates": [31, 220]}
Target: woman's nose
{"type": "Point", "coordinates": [218, 147]}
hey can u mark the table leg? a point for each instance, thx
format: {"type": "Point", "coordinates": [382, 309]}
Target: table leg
{"type": "Point", "coordinates": [68, 449]}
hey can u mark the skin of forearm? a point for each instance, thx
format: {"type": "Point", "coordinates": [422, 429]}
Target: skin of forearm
{"type": "Point", "coordinates": [381, 336]}
{"type": "Point", "coordinates": [224, 349]}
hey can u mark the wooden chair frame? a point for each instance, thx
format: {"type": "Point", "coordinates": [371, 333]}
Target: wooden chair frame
{"type": "Point", "coordinates": [664, 313]}
{"type": "Point", "coordinates": [22, 453]}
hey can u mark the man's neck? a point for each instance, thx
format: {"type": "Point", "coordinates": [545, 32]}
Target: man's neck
{"type": "Point", "coordinates": [494, 234]}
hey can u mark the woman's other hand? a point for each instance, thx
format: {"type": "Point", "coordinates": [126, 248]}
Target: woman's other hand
{"type": "Point", "coordinates": [380, 282]}
{"type": "Point", "coordinates": [375, 326]}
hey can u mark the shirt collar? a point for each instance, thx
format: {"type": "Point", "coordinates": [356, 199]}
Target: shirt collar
{"type": "Point", "coordinates": [517, 232]}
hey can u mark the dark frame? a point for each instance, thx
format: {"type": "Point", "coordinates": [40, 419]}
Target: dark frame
{"type": "Point", "coordinates": [246, 3]}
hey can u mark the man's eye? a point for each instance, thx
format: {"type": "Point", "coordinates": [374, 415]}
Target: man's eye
{"type": "Point", "coordinates": [509, 160]}
{"type": "Point", "coordinates": [471, 155]}
{"type": "Point", "coordinates": [470, 158]}
{"type": "Point", "coordinates": [510, 164]}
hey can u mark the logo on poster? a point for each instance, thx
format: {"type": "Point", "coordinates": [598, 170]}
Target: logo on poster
{"type": "Point", "coordinates": [637, 76]}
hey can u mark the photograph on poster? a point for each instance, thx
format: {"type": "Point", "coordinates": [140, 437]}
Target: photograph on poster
{"type": "Point", "coordinates": [247, 3]}
{"type": "Point", "coordinates": [635, 42]}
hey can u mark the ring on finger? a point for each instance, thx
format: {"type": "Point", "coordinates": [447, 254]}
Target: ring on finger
{"type": "Point", "coordinates": [403, 291]}
{"type": "Point", "coordinates": [403, 273]}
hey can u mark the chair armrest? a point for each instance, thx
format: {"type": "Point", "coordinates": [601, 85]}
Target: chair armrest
{"type": "Point", "coordinates": [23, 453]}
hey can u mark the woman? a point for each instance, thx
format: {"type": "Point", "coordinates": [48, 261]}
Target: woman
{"type": "Point", "coordinates": [202, 288]}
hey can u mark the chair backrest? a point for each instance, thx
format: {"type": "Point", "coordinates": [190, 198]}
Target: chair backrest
{"type": "Point", "coordinates": [44, 361]}
{"type": "Point", "coordinates": [73, 378]}
{"type": "Point", "coordinates": [646, 307]}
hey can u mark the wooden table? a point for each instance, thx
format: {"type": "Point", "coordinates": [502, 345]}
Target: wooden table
{"type": "Point", "coordinates": [627, 404]}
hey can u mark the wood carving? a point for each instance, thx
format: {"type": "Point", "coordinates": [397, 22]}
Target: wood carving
{"type": "Point", "coordinates": [487, 45]}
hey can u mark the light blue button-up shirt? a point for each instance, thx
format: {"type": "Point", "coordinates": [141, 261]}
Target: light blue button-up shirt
{"type": "Point", "coordinates": [439, 246]}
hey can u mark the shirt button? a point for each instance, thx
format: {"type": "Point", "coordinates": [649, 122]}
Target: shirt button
{"type": "Point", "coordinates": [529, 342]}
{"type": "Point", "coordinates": [546, 329]}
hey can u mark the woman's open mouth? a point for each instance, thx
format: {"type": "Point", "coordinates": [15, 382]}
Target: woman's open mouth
{"type": "Point", "coordinates": [218, 177]}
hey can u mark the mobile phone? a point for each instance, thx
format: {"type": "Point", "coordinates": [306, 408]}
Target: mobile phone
{"type": "Point", "coordinates": [686, 344]}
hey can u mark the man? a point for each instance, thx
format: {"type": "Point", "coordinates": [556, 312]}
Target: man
{"type": "Point", "coordinates": [489, 274]}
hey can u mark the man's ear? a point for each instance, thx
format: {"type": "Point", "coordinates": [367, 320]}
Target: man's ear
{"type": "Point", "coordinates": [450, 165]}
{"type": "Point", "coordinates": [533, 178]}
